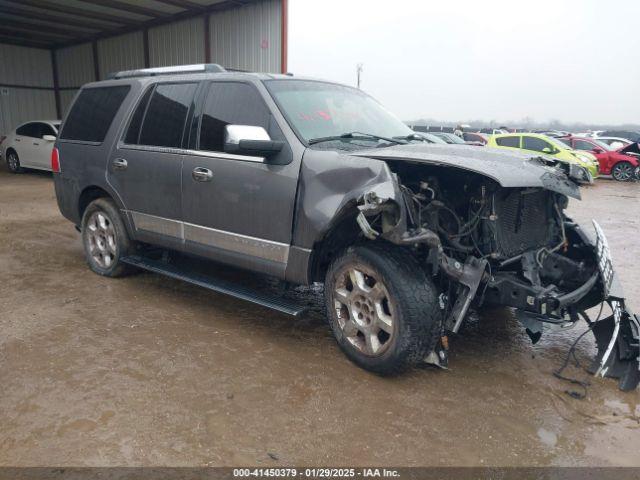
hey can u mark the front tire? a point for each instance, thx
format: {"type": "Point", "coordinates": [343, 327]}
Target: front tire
{"type": "Point", "coordinates": [623, 172]}
{"type": "Point", "coordinates": [382, 307]}
{"type": "Point", "coordinates": [13, 162]}
{"type": "Point", "coordinates": [105, 239]}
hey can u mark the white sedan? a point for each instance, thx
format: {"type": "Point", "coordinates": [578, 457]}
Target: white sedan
{"type": "Point", "coordinates": [30, 145]}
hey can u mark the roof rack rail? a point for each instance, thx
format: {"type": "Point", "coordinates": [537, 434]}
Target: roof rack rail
{"type": "Point", "coordinates": [175, 70]}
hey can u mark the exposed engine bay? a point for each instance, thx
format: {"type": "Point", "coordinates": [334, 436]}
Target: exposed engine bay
{"type": "Point", "coordinates": [486, 244]}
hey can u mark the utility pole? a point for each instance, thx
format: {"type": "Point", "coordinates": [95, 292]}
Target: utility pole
{"type": "Point", "coordinates": [359, 72]}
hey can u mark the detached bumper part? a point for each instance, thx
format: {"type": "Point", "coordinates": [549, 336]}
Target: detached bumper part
{"type": "Point", "coordinates": [617, 338]}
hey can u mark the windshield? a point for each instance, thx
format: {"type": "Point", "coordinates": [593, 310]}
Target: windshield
{"type": "Point", "coordinates": [319, 110]}
{"type": "Point", "coordinates": [603, 145]}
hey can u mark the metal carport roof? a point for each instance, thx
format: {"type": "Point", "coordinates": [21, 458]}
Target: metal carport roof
{"type": "Point", "coordinates": [54, 24]}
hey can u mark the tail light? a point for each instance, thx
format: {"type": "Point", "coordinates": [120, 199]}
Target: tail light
{"type": "Point", "coordinates": [55, 160]}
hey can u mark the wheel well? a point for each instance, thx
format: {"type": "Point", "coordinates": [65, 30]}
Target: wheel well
{"type": "Point", "coordinates": [88, 195]}
{"type": "Point", "coordinates": [343, 233]}
{"type": "Point", "coordinates": [11, 149]}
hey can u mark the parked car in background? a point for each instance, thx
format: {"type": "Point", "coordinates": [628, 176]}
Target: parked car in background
{"type": "Point", "coordinates": [477, 138]}
{"type": "Point", "coordinates": [449, 138]}
{"type": "Point", "coordinates": [629, 135]}
{"type": "Point", "coordinates": [453, 139]}
{"type": "Point", "coordinates": [493, 131]}
{"type": "Point", "coordinates": [590, 133]}
{"type": "Point", "coordinates": [621, 167]}
{"type": "Point", "coordinates": [431, 138]}
{"type": "Point", "coordinates": [535, 142]}
{"type": "Point", "coordinates": [552, 133]}
{"type": "Point", "coordinates": [615, 142]}
{"type": "Point", "coordinates": [30, 145]}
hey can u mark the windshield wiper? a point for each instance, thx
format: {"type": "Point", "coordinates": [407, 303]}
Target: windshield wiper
{"type": "Point", "coordinates": [355, 135]}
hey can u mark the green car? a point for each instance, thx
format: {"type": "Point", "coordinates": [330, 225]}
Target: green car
{"type": "Point", "coordinates": [538, 143]}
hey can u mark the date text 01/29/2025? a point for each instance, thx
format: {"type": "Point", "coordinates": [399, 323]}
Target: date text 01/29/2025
{"type": "Point", "coordinates": [315, 473]}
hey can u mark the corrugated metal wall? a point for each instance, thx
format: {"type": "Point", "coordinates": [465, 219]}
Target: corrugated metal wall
{"type": "Point", "coordinates": [245, 38]}
{"type": "Point", "coordinates": [75, 68]}
{"type": "Point", "coordinates": [75, 65]}
{"type": "Point", "coordinates": [248, 38]}
{"type": "Point", "coordinates": [125, 52]}
{"type": "Point", "coordinates": [180, 43]}
{"type": "Point", "coordinates": [26, 67]}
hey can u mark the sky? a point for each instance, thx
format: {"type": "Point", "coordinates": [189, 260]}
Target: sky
{"type": "Point", "coordinates": [500, 60]}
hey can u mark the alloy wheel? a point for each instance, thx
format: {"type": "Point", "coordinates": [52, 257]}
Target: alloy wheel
{"type": "Point", "coordinates": [623, 172]}
{"type": "Point", "coordinates": [365, 310]}
{"type": "Point", "coordinates": [101, 237]}
{"type": "Point", "coordinates": [13, 162]}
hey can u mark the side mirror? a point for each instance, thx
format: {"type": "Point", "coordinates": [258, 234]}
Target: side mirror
{"type": "Point", "coordinates": [548, 150]}
{"type": "Point", "coordinates": [49, 138]}
{"type": "Point", "coordinates": [597, 150]}
{"type": "Point", "coordinates": [249, 140]}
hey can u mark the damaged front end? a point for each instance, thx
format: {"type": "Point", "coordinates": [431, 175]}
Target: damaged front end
{"type": "Point", "coordinates": [487, 244]}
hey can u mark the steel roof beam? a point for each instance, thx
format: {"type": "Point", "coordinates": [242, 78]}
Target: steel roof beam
{"type": "Point", "coordinates": [126, 7]}
{"type": "Point", "coordinates": [81, 12]}
{"type": "Point", "coordinates": [57, 19]}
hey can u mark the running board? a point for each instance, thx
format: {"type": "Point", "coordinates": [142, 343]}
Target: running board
{"type": "Point", "coordinates": [216, 285]}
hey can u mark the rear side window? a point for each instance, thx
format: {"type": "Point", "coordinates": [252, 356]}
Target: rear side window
{"type": "Point", "coordinates": [230, 104]}
{"type": "Point", "coordinates": [28, 130]}
{"type": "Point", "coordinates": [164, 121]}
{"type": "Point", "coordinates": [508, 142]}
{"type": "Point", "coordinates": [92, 113]}
{"type": "Point", "coordinates": [535, 144]}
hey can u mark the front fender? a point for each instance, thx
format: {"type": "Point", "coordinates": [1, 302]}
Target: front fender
{"type": "Point", "coordinates": [330, 186]}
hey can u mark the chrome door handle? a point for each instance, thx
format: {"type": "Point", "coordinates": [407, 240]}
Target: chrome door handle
{"type": "Point", "coordinates": [36, 143]}
{"type": "Point", "coordinates": [201, 174]}
{"type": "Point", "coordinates": [119, 164]}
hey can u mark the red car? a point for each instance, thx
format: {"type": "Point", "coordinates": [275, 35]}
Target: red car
{"type": "Point", "coordinates": [623, 164]}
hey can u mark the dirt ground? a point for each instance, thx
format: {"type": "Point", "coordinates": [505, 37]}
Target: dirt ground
{"type": "Point", "coordinates": [150, 371]}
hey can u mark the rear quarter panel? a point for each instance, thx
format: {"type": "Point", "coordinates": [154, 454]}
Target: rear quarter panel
{"type": "Point", "coordinates": [83, 164]}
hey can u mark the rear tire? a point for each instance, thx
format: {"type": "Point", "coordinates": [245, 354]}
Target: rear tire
{"type": "Point", "coordinates": [105, 239]}
{"type": "Point", "coordinates": [13, 162]}
{"type": "Point", "coordinates": [623, 172]}
{"type": "Point", "coordinates": [382, 307]}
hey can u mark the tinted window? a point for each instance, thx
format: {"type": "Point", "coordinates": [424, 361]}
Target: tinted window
{"type": "Point", "coordinates": [565, 141]}
{"type": "Point", "coordinates": [133, 132]}
{"type": "Point", "coordinates": [230, 104]}
{"type": "Point", "coordinates": [535, 144]}
{"type": "Point", "coordinates": [508, 142]}
{"type": "Point", "coordinates": [582, 145]}
{"type": "Point", "coordinates": [92, 113]}
{"type": "Point", "coordinates": [28, 130]}
{"type": "Point", "coordinates": [166, 115]}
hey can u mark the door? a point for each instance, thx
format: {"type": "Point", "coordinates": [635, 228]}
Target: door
{"type": "Point", "coordinates": [145, 167]}
{"type": "Point", "coordinates": [41, 152]}
{"type": "Point", "coordinates": [242, 213]}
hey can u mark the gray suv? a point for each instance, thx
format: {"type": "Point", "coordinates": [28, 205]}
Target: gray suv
{"type": "Point", "coordinates": [311, 181]}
